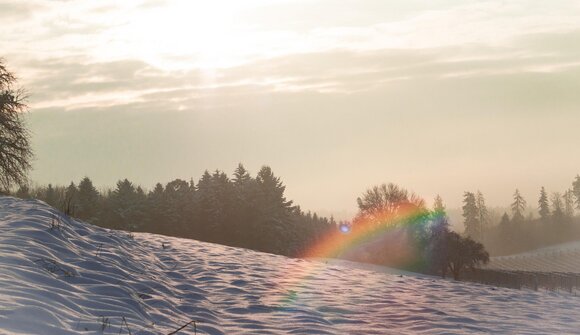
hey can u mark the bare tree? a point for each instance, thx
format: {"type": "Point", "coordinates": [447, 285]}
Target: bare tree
{"type": "Point", "coordinates": [387, 202]}
{"type": "Point", "coordinates": [15, 151]}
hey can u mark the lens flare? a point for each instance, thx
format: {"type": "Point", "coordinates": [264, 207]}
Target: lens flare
{"type": "Point", "coordinates": [363, 238]}
{"type": "Point", "coordinates": [344, 228]}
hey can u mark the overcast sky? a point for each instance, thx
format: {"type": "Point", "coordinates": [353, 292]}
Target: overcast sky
{"type": "Point", "coordinates": [438, 96]}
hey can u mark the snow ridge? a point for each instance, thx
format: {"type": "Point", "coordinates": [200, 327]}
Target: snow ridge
{"type": "Point", "coordinates": [62, 276]}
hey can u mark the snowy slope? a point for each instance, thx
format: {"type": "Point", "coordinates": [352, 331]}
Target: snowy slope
{"type": "Point", "coordinates": [558, 258]}
{"type": "Point", "coordinates": [81, 278]}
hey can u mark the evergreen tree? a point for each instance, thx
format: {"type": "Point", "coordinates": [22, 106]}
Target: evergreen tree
{"type": "Point", "coordinates": [471, 215]}
{"type": "Point", "coordinates": [50, 196]}
{"type": "Point", "coordinates": [275, 210]}
{"type": "Point", "coordinates": [70, 200]}
{"type": "Point", "coordinates": [127, 206]}
{"type": "Point", "coordinates": [178, 199]}
{"type": "Point", "coordinates": [440, 219]}
{"type": "Point", "coordinates": [557, 207]}
{"type": "Point", "coordinates": [505, 220]}
{"type": "Point", "coordinates": [87, 200]}
{"type": "Point", "coordinates": [464, 253]}
{"type": "Point", "coordinates": [437, 253]}
{"type": "Point", "coordinates": [568, 198]}
{"type": "Point", "coordinates": [157, 211]}
{"type": "Point", "coordinates": [438, 206]}
{"type": "Point", "coordinates": [483, 215]}
{"type": "Point", "coordinates": [576, 190]}
{"type": "Point", "coordinates": [518, 207]}
{"type": "Point", "coordinates": [241, 176]}
{"type": "Point", "coordinates": [543, 206]}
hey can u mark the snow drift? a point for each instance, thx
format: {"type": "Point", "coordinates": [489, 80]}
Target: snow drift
{"type": "Point", "coordinates": [564, 258]}
{"type": "Point", "coordinates": [62, 276]}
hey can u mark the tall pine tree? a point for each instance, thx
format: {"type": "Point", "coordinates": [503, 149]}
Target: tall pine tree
{"type": "Point", "coordinates": [518, 207]}
{"type": "Point", "coordinates": [88, 200]}
{"type": "Point", "coordinates": [557, 208]}
{"type": "Point", "coordinates": [483, 215]}
{"type": "Point", "coordinates": [543, 205]}
{"type": "Point", "coordinates": [576, 190]}
{"type": "Point", "coordinates": [471, 215]}
{"type": "Point", "coordinates": [568, 198]}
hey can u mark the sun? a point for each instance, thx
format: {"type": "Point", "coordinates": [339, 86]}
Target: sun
{"type": "Point", "coordinates": [186, 33]}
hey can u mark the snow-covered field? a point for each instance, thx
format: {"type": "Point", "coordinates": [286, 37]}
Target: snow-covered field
{"type": "Point", "coordinates": [80, 278]}
{"type": "Point", "coordinates": [559, 258]}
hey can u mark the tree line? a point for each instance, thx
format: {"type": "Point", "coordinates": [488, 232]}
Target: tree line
{"type": "Point", "coordinates": [520, 229]}
{"type": "Point", "coordinates": [253, 212]}
{"type": "Point", "coordinates": [243, 211]}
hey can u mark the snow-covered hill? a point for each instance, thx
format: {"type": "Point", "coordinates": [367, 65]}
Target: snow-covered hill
{"type": "Point", "coordinates": [61, 276]}
{"type": "Point", "coordinates": [558, 258]}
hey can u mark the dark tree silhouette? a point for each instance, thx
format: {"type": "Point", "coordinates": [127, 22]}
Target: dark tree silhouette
{"type": "Point", "coordinates": [568, 198]}
{"type": "Point", "coordinates": [471, 215]}
{"type": "Point", "coordinates": [438, 206]}
{"type": "Point", "coordinates": [543, 205]}
{"type": "Point", "coordinates": [387, 201]}
{"type": "Point", "coordinates": [88, 200]}
{"type": "Point", "coordinates": [438, 250]}
{"type": "Point", "coordinates": [464, 253]}
{"type": "Point", "coordinates": [403, 219]}
{"type": "Point", "coordinates": [482, 216]}
{"type": "Point", "coordinates": [518, 207]}
{"type": "Point", "coordinates": [576, 190]}
{"type": "Point", "coordinates": [557, 208]}
{"type": "Point", "coordinates": [15, 151]}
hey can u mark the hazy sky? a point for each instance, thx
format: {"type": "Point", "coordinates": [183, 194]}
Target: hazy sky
{"type": "Point", "coordinates": [335, 95]}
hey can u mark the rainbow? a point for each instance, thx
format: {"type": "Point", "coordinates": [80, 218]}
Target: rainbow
{"type": "Point", "coordinates": [368, 235]}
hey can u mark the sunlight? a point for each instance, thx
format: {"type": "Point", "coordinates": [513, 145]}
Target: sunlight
{"type": "Point", "coordinates": [185, 34]}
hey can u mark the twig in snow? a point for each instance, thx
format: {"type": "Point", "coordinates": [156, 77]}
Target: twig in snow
{"type": "Point", "coordinates": [185, 325]}
{"type": "Point", "coordinates": [126, 325]}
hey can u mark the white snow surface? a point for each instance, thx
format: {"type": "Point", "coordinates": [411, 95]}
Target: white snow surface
{"type": "Point", "coordinates": [563, 257]}
{"type": "Point", "coordinates": [85, 279]}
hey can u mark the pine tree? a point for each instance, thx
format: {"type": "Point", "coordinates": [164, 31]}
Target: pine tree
{"type": "Point", "coordinates": [518, 207]}
{"type": "Point", "coordinates": [127, 206]}
{"type": "Point", "coordinates": [438, 206]}
{"type": "Point", "coordinates": [178, 199]}
{"type": "Point", "coordinates": [70, 200]}
{"type": "Point", "coordinates": [241, 176]}
{"type": "Point", "coordinates": [157, 211]}
{"type": "Point", "coordinates": [483, 215]}
{"type": "Point", "coordinates": [87, 200]}
{"type": "Point", "coordinates": [557, 207]}
{"type": "Point", "coordinates": [275, 210]}
{"type": "Point", "coordinates": [576, 190]}
{"type": "Point", "coordinates": [543, 206]}
{"type": "Point", "coordinates": [471, 215]}
{"type": "Point", "coordinates": [505, 220]}
{"type": "Point", "coordinates": [568, 198]}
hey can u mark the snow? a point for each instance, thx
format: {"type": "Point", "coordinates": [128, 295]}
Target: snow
{"type": "Point", "coordinates": [563, 257]}
{"type": "Point", "coordinates": [82, 278]}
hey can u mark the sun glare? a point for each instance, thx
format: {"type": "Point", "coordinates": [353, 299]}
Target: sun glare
{"type": "Point", "coordinates": [182, 34]}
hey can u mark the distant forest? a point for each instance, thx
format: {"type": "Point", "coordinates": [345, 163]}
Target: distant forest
{"type": "Point", "coordinates": [519, 229]}
{"type": "Point", "coordinates": [244, 211]}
